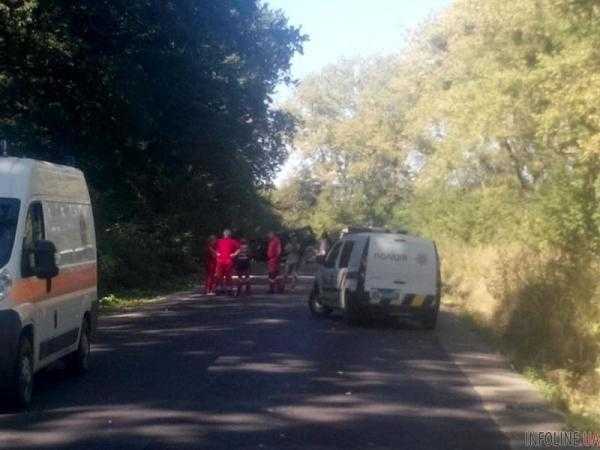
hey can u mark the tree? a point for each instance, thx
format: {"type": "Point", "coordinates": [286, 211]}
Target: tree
{"type": "Point", "coordinates": [165, 105]}
{"type": "Point", "coordinates": [488, 101]}
{"type": "Point", "coordinates": [148, 95]}
{"type": "Point", "coordinates": [348, 138]}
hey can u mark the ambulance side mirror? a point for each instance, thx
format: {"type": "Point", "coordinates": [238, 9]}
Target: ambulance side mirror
{"type": "Point", "coordinates": [45, 260]}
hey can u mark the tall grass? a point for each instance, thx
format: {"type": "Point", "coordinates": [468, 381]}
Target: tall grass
{"type": "Point", "coordinates": [543, 308]}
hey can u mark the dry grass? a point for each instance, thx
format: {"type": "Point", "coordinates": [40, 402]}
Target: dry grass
{"type": "Point", "coordinates": [543, 310]}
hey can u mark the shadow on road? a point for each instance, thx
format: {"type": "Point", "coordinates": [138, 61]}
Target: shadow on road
{"type": "Point", "coordinates": [254, 373]}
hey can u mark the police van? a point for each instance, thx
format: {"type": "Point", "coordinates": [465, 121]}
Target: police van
{"type": "Point", "coordinates": [370, 273]}
{"type": "Point", "coordinates": [48, 280]}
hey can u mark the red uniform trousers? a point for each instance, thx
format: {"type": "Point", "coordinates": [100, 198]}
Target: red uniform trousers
{"type": "Point", "coordinates": [210, 267]}
{"type": "Point", "coordinates": [223, 273]}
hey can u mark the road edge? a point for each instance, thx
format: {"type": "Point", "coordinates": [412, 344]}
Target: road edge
{"type": "Point", "coordinates": [512, 402]}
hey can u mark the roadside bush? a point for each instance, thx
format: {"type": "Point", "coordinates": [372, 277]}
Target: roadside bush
{"type": "Point", "coordinates": [542, 308]}
{"type": "Point", "coordinates": [547, 309]}
{"type": "Point", "coordinates": [132, 256]}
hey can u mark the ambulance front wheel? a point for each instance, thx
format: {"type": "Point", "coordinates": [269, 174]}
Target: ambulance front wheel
{"type": "Point", "coordinates": [23, 378]}
{"type": "Point", "coordinates": [79, 361]}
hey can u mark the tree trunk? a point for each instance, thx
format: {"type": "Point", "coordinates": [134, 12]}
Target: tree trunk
{"type": "Point", "coordinates": [516, 163]}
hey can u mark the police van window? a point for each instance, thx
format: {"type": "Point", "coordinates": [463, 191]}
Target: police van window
{"type": "Point", "coordinates": [332, 256]}
{"type": "Point", "coordinates": [346, 253]}
{"type": "Point", "coordinates": [34, 232]}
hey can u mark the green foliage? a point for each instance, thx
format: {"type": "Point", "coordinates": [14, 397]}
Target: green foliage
{"type": "Point", "coordinates": [297, 197]}
{"type": "Point", "coordinates": [483, 134]}
{"type": "Point", "coordinates": [182, 87]}
{"type": "Point", "coordinates": [564, 289]}
{"type": "Point", "coordinates": [144, 256]}
{"type": "Point", "coordinates": [165, 106]}
{"type": "Point", "coordinates": [133, 298]}
{"type": "Point", "coordinates": [565, 213]}
{"type": "Point", "coordinates": [484, 129]}
{"type": "Point", "coordinates": [541, 309]}
{"type": "Point", "coordinates": [474, 217]}
{"type": "Point", "coordinates": [348, 137]}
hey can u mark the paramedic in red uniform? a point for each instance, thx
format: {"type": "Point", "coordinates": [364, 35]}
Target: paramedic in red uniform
{"type": "Point", "coordinates": [227, 249]}
{"type": "Point", "coordinates": [210, 264]}
{"type": "Point", "coordinates": [273, 258]}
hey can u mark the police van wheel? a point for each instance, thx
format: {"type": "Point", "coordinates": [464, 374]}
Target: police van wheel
{"type": "Point", "coordinates": [79, 361]}
{"type": "Point", "coordinates": [23, 378]}
{"type": "Point", "coordinates": [352, 315]}
{"type": "Point", "coordinates": [317, 309]}
{"type": "Point", "coordinates": [430, 321]}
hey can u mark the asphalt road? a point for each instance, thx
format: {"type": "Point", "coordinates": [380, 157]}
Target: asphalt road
{"type": "Point", "coordinates": [260, 373]}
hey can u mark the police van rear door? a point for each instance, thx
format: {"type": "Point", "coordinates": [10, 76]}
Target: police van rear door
{"type": "Point", "coordinates": [423, 268]}
{"type": "Point", "coordinates": [388, 267]}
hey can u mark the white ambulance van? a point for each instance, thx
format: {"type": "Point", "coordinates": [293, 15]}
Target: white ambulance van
{"type": "Point", "coordinates": [378, 273]}
{"type": "Point", "coordinates": [48, 280]}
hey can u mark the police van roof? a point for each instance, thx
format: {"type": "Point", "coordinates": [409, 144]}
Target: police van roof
{"type": "Point", "coordinates": [383, 233]}
{"type": "Point", "coordinates": [361, 230]}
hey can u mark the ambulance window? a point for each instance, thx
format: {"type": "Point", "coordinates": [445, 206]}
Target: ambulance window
{"type": "Point", "coordinates": [34, 232]}
{"type": "Point", "coordinates": [9, 215]}
{"type": "Point", "coordinates": [346, 253]}
{"type": "Point", "coordinates": [332, 256]}
{"type": "Point", "coordinates": [70, 228]}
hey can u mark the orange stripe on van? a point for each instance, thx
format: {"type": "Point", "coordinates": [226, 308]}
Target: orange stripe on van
{"type": "Point", "coordinates": [72, 279]}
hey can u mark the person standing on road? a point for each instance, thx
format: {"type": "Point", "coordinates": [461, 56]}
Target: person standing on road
{"type": "Point", "coordinates": [274, 251]}
{"type": "Point", "coordinates": [210, 264]}
{"type": "Point", "coordinates": [227, 249]}
{"type": "Point", "coordinates": [243, 268]}
{"type": "Point", "coordinates": [323, 245]}
{"type": "Point", "coordinates": [292, 261]}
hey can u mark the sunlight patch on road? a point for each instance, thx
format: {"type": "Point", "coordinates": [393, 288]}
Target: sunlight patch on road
{"type": "Point", "coordinates": [64, 426]}
{"type": "Point", "coordinates": [240, 364]}
{"type": "Point", "coordinates": [341, 409]}
{"type": "Point", "coordinates": [267, 321]}
{"type": "Point", "coordinates": [130, 315]}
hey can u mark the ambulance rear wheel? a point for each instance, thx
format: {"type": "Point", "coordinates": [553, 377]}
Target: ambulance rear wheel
{"type": "Point", "coordinates": [79, 361]}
